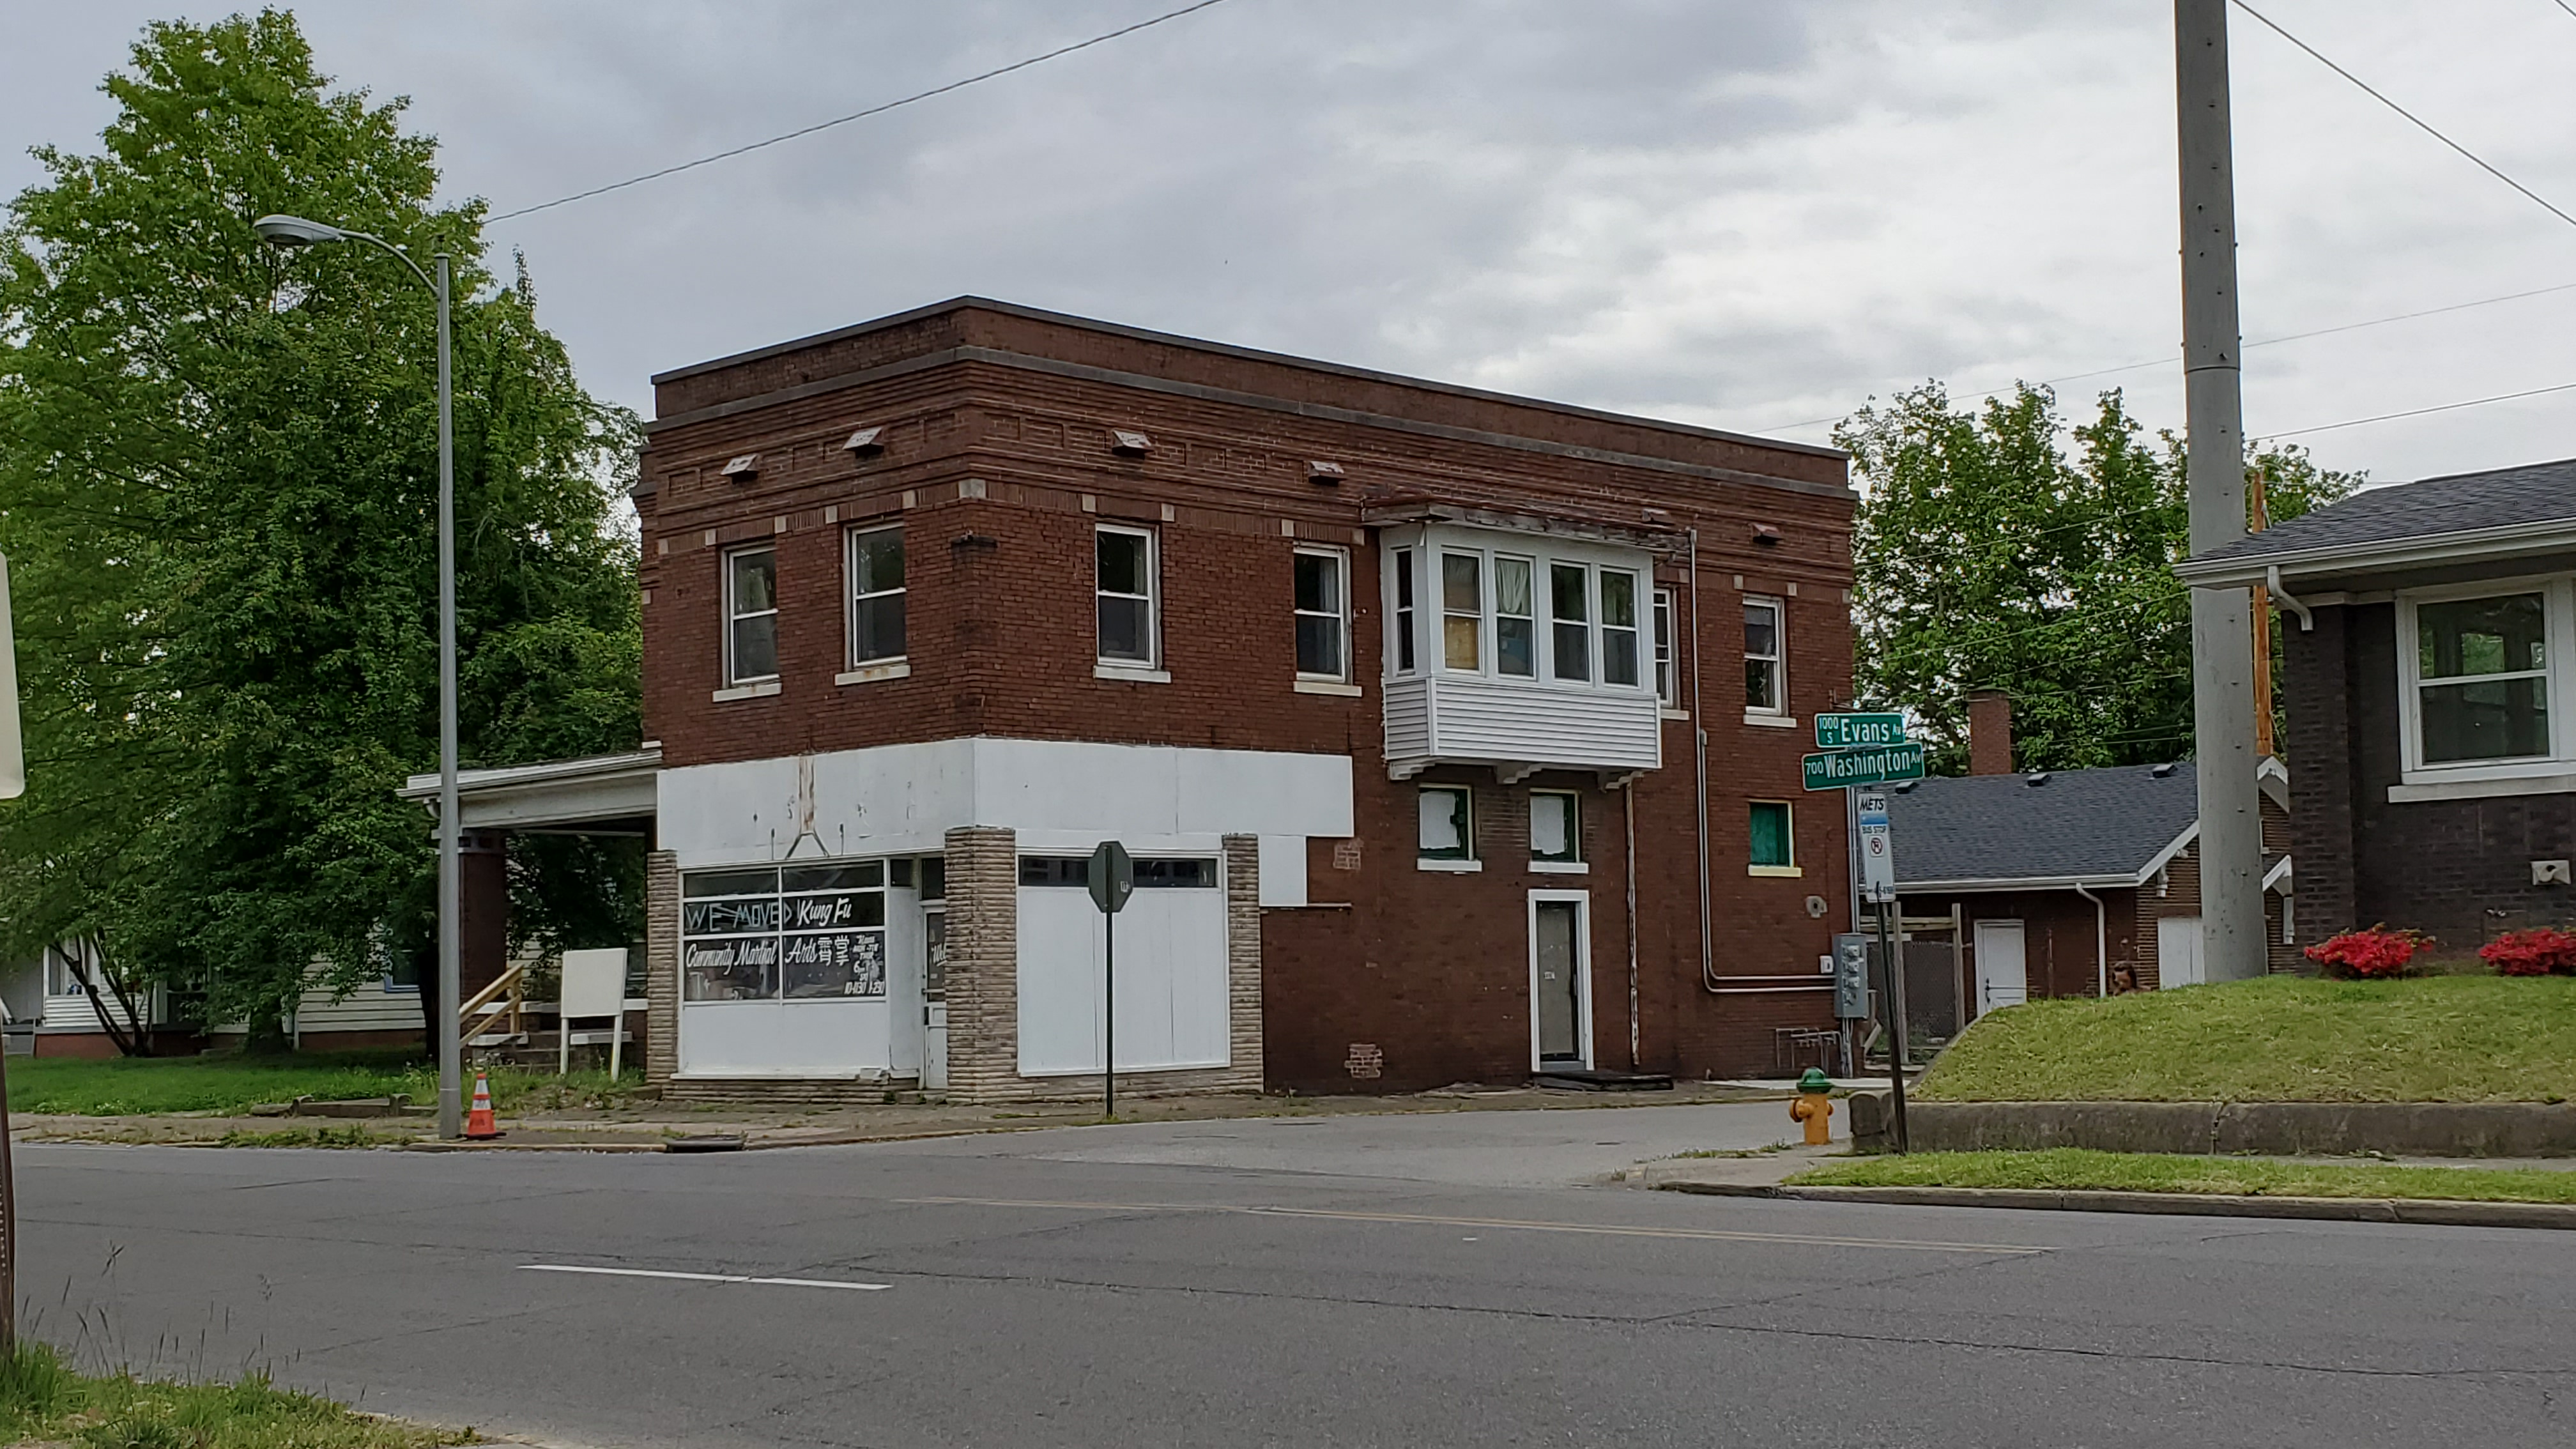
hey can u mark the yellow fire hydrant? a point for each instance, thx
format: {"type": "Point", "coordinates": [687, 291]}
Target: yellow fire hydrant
{"type": "Point", "coordinates": [1815, 1107]}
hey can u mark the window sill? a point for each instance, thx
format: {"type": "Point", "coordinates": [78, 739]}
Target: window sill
{"type": "Point", "coordinates": [1329, 686]}
{"type": "Point", "coordinates": [871, 673]}
{"type": "Point", "coordinates": [1132, 674]}
{"type": "Point", "coordinates": [1670, 713]}
{"type": "Point", "coordinates": [1771, 721]}
{"type": "Point", "coordinates": [1784, 872]}
{"type": "Point", "coordinates": [2424, 789]}
{"type": "Point", "coordinates": [1560, 867]}
{"type": "Point", "coordinates": [1455, 867]}
{"type": "Point", "coordinates": [747, 691]}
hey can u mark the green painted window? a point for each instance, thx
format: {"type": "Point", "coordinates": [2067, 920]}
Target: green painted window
{"type": "Point", "coordinates": [1771, 845]}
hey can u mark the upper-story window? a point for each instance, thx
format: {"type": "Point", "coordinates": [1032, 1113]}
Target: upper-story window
{"type": "Point", "coordinates": [876, 595]}
{"type": "Point", "coordinates": [1403, 613]}
{"type": "Point", "coordinates": [1322, 605]}
{"type": "Point", "coordinates": [1667, 683]}
{"type": "Point", "coordinates": [2481, 674]}
{"type": "Point", "coordinates": [751, 615]}
{"type": "Point", "coordinates": [1130, 632]}
{"type": "Point", "coordinates": [1515, 626]}
{"type": "Point", "coordinates": [1766, 684]}
{"type": "Point", "coordinates": [1618, 626]}
{"type": "Point", "coordinates": [1462, 610]}
{"type": "Point", "coordinates": [1569, 611]}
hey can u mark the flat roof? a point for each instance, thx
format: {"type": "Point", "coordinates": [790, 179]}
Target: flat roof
{"type": "Point", "coordinates": [1224, 349]}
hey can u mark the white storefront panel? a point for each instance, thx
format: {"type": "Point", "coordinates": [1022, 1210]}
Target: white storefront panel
{"type": "Point", "coordinates": [1171, 979]}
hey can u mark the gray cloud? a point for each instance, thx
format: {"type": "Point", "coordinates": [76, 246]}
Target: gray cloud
{"type": "Point", "coordinates": [1747, 214]}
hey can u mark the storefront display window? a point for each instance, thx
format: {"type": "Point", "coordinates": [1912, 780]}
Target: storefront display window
{"type": "Point", "coordinates": [798, 933]}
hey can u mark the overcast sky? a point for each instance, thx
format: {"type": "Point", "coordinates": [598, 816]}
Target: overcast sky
{"type": "Point", "coordinates": [1752, 215]}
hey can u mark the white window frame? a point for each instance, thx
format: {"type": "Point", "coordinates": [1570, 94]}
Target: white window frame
{"type": "Point", "coordinates": [1573, 862]}
{"type": "Point", "coordinates": [1428, 573]}
{"type": "Point", "coordinates": [1442, 613]}
{"type": "Point", "coordinates": [1535, 618]}
{"type": "Point", "coordinates": [2558, 604]}
{"type": "Point", "coordinates": [1403, 575]}
{"type": "Point", "coordinates": [884, 664]}
{"type": "Point", "coordinates": [1117, 666]}
{"type": "Point", "coordinates": [1789, 823]}
{"type": "Point", "coordinates": [734, 678]}
{"type": "Point", "coordinates": [1341, 558]}
{"type": "Point", "coordinates": [1664, 658]}
{"type": "Point", "coordinates": [1466, 862]}
{"type": "Point", "coordinates": [1640, 651]}
{"type": "Point", "coordinates": [1779, 657]}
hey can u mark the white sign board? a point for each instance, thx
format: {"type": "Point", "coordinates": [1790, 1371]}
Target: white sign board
{"type": "Point", "coordinates": [1877, 850]}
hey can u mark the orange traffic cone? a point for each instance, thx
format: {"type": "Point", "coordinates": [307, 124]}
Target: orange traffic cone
{"type": "Point", "coordinates": [479, 1125]}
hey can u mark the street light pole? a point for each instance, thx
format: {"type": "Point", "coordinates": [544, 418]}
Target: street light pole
{"type": "Point", "coordinates": [290, 233]}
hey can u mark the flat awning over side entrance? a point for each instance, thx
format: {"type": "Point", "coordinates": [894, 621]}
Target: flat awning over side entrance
{"type": "Point", "coordinates": [598, 795]}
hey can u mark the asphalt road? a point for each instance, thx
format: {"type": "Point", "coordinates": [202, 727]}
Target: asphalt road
{"type": "Point", "coordinates": [1449, 1280]}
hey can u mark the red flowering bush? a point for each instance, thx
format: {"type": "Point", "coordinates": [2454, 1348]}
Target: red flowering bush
{"type": "Point", "coordinates": [2374, 954]}
{"type": "Point", "coordinates": [2542, 952]}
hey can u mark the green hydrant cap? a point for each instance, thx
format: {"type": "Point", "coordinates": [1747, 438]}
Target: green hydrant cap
{"type": "Point", "coordinates": [1815, 1080]}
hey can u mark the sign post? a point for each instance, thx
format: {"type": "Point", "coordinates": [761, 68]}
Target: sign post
{"type": "Point", "coordinates": [1860, 751]}
{"type": "Point", "coordinates": [1112, 878]}
{"type": "Point", "coordinates": [13, 783]}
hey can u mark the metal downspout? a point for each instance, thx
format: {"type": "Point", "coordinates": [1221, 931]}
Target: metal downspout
{"type": "Point", "coordinates": [2101, 943]}
{"type": "Point", "coordinates": [1699, 753]}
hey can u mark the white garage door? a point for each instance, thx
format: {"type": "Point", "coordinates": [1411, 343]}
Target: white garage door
{"type": "Point", "coordinates": [2178, 952]}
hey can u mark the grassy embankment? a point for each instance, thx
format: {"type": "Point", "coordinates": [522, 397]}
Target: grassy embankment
{"type": "Point", "coordinates": [44, 1402]}
{"type": "Point", "coordinates": [2279, 1039]}
{"type": "Point", "coordinates": [233, 1084]}
{"type": "Point", "coordinates": [2068, 1169]}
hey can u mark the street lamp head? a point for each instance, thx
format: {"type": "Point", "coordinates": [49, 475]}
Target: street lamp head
{"type": "Point", "coordinates": [287, 233]}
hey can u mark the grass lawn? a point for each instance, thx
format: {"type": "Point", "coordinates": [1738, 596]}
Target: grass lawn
{"type": "Point", "coordinates": [42, 1401]}
{"type": "Point", "coordinates": [230, 1083]}
{"type": "Point", "coordinates": [2072, 1169]}
{"type": "Point", "coordinates": [2277, 1039]}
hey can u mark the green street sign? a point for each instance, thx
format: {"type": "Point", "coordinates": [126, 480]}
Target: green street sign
{"type": "Point", "coordinates": [1858, 731]}
{"type": "Point", "coordinates": [1839, 769]}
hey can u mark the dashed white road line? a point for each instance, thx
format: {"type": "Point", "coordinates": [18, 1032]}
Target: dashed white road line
{"type": "Point", "coordinates": [702, 1277]}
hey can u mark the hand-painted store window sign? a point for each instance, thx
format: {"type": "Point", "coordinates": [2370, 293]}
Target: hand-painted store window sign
{"type": "Point", "coordinates": [794, 933]}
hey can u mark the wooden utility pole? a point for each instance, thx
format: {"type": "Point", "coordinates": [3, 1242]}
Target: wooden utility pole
{"type": "Point", "coordinates": [2265, 746]}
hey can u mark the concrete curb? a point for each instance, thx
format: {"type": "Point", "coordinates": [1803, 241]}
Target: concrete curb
{"type": "Point", "coordinates": [2428, 1211]}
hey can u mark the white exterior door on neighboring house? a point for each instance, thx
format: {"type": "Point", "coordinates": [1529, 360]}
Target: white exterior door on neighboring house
{"type": "Point", "coordinates": [2178, 951]}
{"type": "Point", "coordinates": [2003, 975]}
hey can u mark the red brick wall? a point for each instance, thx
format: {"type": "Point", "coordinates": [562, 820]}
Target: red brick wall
{"type": "Point", "coordinates": [998, 474]}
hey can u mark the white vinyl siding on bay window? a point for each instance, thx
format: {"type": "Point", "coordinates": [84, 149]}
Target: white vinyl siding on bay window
{"type": "Point", "coordinates": [1532, 649]}
{"type": "Point", "coordinates": [2484, 690]}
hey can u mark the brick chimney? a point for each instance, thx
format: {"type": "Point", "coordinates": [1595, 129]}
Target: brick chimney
{"type": "Point", "coordinates": [1990, 742]}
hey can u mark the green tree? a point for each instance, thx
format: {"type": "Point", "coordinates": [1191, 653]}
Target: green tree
{"type": "Point", "coordinates": [1988, 555]}
{"type": "Point", "coordinates": [218, 489]}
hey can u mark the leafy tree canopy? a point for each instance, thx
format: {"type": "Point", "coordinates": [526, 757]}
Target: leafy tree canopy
{"type": "Point", "coordinates": [1998, 548]}
{"type": "Point", "coordinates": [218, 491]}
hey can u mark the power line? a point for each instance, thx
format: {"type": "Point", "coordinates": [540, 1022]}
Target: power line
{"type": "Point", "coordinates": [2250, 346]}
{"type": "Point", "coordinates": [877, 110]}
{"type": "Point", "coordinates": [2419, 412]}
{"type": "Point", "coordinates": [2563, 5]}
{"type": "Point", "coordinates": [2420, 123]}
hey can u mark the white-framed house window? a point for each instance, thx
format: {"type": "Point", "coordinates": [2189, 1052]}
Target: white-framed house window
{"type": "Point", "coordinates": [1667, 678]}
{"type": "Point", "coordinates": [1462, 610]}
{"type": "Point", "coordinates": [1515, 617]}
{"type": "Point", "coordinates": [1127, 587]}
{"type": "Point", "coordinates": [751, 615]}
{"type": "Point", "coordinates": [1618, 589]}
{"type": "Point", "coordinates": [2483, 687]}
{"type": "Point", "coordinates": [875, 571]}
{"type": "Point", "coordinates": [1766, 675]}
{"type": "Point", "coordinates": [1556, 830]}
{"type": "Point", "coordinates": [1402, 617]}
{"type": "Point", "coordinates": [1321, 604]}
{"type": "Point", "coordinates": [1774, 843]}
{"type": "Point", "coordinates": [1448, 828]}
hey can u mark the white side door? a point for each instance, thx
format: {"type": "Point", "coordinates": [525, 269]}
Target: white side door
{"type": "Point", "coordinates": [2003, 975]}
{"type": "Point", "coordinates": [2178, 951]}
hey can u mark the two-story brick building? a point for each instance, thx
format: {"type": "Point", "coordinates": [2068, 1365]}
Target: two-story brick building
{"type": "Point", "coordinates": [1396, 690]}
